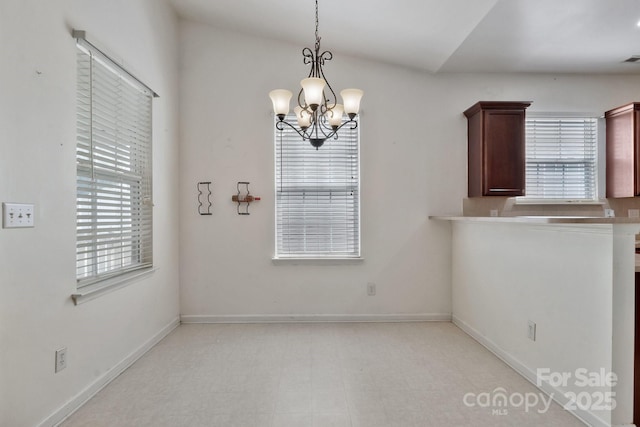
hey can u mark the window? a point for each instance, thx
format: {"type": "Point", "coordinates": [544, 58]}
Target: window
{"type": "Point", "coordinates": [317, 196]}
{"type": "Point", "coordinates": [561, 155]}
{"type": "Point", "coordinates": [113, 157]}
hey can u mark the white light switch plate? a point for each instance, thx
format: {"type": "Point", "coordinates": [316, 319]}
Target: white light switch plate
{"type": "Point", "coordinates": [17, 215]}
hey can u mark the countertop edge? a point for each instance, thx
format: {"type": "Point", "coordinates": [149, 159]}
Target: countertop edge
{"type": "Point", "coordinates": [538, 219]}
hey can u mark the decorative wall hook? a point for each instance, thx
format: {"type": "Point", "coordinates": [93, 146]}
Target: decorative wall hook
{"type": "Point", "coordinates": [243, 197]}
{"type": "Point", "coordinates": [207, 189]}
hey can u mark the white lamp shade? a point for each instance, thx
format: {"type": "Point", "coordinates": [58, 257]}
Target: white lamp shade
{"type": "Point", "coordinates": [334, 115]}
{"type": "Point", "coordinates": [313, 87]}
{"type": "Point", "coordinates": [280, 99]}
{"type": "Point", "coordinates": [304, 118]}
{"type": "Point", "coordinates": [351, 99]}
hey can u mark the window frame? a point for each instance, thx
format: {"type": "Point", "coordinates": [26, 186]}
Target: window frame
{"type": "Point", "coordinates": [135, 172]}
{"type": "Point", "coordinates": [315, 257]}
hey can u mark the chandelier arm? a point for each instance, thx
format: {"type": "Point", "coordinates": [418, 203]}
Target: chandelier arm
{"type": "Point", "coordinates": [308, 56]}
{"type": "Point", "coordinates": [300, 104]}
{"type": "Point", "coordinates": [327, 130]}
{"type": "Point", "coordinates": [280, 127]}
{"type": "Point", "coordinates": [321, 125]}
{"type": "Point", "coordinates": [327, 100]}
{"type": "Point", "coordinates": [354, 125]}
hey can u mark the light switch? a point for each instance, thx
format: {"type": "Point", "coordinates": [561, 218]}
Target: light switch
{"type": "Point", "coordinates": [17, 215]}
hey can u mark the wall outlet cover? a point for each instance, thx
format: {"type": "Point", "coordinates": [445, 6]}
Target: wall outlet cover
{"type": "Point", "coordinates": [532, 331]}
{"type": "Point", "coordinates": [371, 289]}
{"type": "Point", "coordinates": [61, 359]}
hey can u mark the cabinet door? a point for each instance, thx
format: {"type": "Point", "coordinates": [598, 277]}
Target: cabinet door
{"type": "Point", "coordinates": [504, 153]}
{"type": "Point", "coordinates": [623, 152]}
{"type": "Point", "coordinates": [621, 181]}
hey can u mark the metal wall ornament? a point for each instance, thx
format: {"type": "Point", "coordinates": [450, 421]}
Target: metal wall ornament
{"type": "Point", "coordinates": [244, 197]}
{"type": "Point", "coordinates": [318, 113]}
{"type": "Point", "coordinates": [204, 186]}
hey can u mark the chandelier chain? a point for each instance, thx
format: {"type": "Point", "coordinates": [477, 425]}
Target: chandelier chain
{"type": "Point", "coordinates": [317, 20]}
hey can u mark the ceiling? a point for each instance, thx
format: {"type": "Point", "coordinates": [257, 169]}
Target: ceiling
{"type": "Point", "coordinates": [558, 36]}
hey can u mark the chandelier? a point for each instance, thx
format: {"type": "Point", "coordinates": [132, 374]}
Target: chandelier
{"type": "Point", "coordinates": [318, 113]}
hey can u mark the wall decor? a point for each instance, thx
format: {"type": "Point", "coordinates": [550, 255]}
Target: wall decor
{"type": "Point", "coordinates": [204, 187]}
{"type": "Point", "coordinates": [244, 197]}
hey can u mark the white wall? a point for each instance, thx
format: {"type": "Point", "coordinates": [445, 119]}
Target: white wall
{"type": "Point", "coordinates": [575, 282]}
{"type": "Point", "coordinates": [413, 143]}
{"type": "Point", "coordinates": [37, 165]}
{"type": "Point", "coordinates": [227, 136]}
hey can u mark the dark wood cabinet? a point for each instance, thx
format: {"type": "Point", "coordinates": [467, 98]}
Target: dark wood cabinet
{"type": "Point", "coordinates": [496, 137]}
{"type": "Point", "coordinates": [623, 151]}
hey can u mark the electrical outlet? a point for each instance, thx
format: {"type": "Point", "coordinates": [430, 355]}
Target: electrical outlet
{"type": "Point", "coordinates": [61, 359]}
{"type": "Point", "coordinates": [493, 212]}
{"type": "Point", "coordinates": [17, 215]}
{"type": "Point", "coordinates": [532, 330]}
{"type": "Point", "coordinates": [371, 289]}
{"type": "Point", "coordinates": [634, 213]}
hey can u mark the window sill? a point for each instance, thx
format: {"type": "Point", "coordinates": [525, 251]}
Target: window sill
{"type": "Point", "coordinates": [536, 201]}
{"type": "Point", "coordinates": [87, 293]}
{"type": "Point", "coordinates": [317, 261]}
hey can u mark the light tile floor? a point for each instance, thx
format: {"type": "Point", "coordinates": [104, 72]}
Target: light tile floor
{"type": "Point", "coordinates": [314, 375]}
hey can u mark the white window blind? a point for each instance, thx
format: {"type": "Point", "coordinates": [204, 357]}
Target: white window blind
{"type": "Point", "coordinates": [317, 196]}
{"type": "Point", "coordinates": [113, 157]}
{"type": "Point", "coordinates": [561, 157]}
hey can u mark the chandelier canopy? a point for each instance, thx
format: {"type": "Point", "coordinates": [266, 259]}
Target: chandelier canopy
{"type": "Point", "coordinates": [318, 113]}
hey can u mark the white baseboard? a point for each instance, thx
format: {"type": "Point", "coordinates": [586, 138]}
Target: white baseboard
{"type": "Point", "coordinates": [557, 395]}
{"type": "Point", "coordinates": [315, 318]}
{"type": "Point", "coordinates": [81, 398]}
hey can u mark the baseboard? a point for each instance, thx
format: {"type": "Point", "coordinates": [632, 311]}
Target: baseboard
{"type": "Point", "coordinates": [81, 398]}
{"type": "Point", "coordinates": [557, 395]}
{"type": "Point", "coordinates": [315, 318]}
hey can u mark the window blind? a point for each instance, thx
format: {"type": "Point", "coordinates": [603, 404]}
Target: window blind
{"type": "Point", "coordinates": [113, 158]}
{"type": "Point", "coordinates": [317, 196]}
{"type": "Point", "coordinates": [561, 157]}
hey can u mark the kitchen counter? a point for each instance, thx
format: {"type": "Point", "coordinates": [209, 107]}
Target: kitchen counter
{"type": "Point", "coordinates": [581, 220]}
{"type": "Point", "coordinates": [539, 219]}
